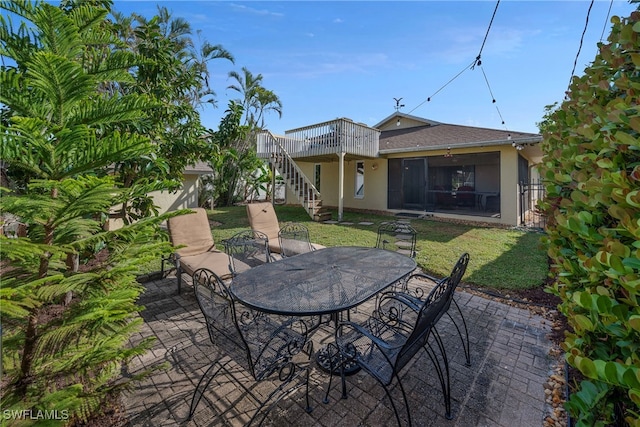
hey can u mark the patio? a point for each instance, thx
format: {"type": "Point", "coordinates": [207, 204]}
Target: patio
{"type": "Point", "coordinates": [503, 387]}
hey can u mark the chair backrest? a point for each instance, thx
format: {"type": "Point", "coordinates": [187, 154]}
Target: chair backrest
{"type": "Point", "coordinates": [459, 269]}
{"type": "Point", "coordinates": [268, 345]}
{"type": "Point", "coordinates": [433, 307]}
{"type": "Point", "coordinates": [191, 230]}
{"type": "Point", "coordinates": [247, 249]}
{"type": "Point", "coordinates": [263, 218]}
{"type": "Point", "coordinates": [294, 239]}
{"type": "Point", "coordinates": [418, 283]}
{"type": "Point", "coordinates": [398, 237]}
{"type": "Point", "coordinates": [216, 304]}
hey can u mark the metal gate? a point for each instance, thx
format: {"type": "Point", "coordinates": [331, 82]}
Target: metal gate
{"type": "Point", "coordinates": [530, 215]}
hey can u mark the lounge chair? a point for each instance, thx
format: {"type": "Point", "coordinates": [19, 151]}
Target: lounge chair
{"type": "Point", "coordinates": [262, 217]}
{"type": "Point", "coordinates": [192, 231]}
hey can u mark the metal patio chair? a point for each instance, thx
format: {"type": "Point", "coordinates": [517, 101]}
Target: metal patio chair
{"type": "Point", "coordinates": [247, 249]}
{"type": "Point", "coordinates": [397, 236]}
{"type": "Point", "coordinates": [418, 285]}
{"type": "Point", "coordinates": [385, 344]}
{"type": "Point", "coordinates": [265, 347]}
{"type": "Point", "coordinates": [294, 239]}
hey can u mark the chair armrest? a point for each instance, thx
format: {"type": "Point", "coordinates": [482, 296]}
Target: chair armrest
{"type": "Point", "coordinates": [364, 332]}
{"type": "Point", "coordinates": [175, 259]}
{"type": "Point", "coordinates": [429, 277]}
{"type": "Point", "coordinates": [409, 300]}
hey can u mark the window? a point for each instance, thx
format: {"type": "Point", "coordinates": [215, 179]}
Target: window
{"type": "Point", "coordinates": [359, 179]}
{"type": "Point", "coordinates": [316, 176]}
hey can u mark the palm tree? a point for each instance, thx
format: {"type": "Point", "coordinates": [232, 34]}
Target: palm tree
{"type": "Point", "coordinates": [256, 100]}
{"type": "Point", "coordinates": [266, 100]}
{"type": "Point", "coordinates": [176, 74]}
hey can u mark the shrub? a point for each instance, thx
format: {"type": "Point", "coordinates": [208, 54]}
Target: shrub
{"type": "Point", "coordinates": [592, 167]}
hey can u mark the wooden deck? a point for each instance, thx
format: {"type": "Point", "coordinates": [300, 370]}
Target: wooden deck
{"type": "Point", "coordinates": [323, 140]}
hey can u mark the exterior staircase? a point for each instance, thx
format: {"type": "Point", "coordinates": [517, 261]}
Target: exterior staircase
{"type": "Point", "coordinates": [296, 180]}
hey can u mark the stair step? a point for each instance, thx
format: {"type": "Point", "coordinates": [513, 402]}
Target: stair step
{"type": "Point", "coordinates": [299, 185]}
{"type": "Point", "coordinates": [322, 216]}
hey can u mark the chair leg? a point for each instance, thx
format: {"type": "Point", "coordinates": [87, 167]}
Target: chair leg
{"type": "Point", "coordinates": [179, 274]}
{"type": "Point", "coordinates": [442, 372]}
{"type": "Point", "coordinates": [332, 367]}
{"type": "Point", "coordinates": [282, 393]}
{"type": "Point", "coordinates": [465, 340]}
{"type": "Point", "coordinates": [388, 393]}
{"type": "Point", "coordinates": [195, 401]}
{"type": "Point", "coordinates": [404, 397]}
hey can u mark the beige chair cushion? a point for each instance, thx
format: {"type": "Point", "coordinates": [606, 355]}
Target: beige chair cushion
{"type": "Point", "coordinates": [262, 217]}
{"type": "Point", "coordinates": [214, 260]}
{"type": "Point", "coordinates": [193, 231]}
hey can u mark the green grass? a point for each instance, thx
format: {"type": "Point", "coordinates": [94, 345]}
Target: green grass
{"type": "Point", "coordinates": [500, 258]}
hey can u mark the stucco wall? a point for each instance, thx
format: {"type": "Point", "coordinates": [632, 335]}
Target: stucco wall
{"type": "Point", "coordinates": [185, 198]}
{"type": "Point", "coordinates": [375, 183]}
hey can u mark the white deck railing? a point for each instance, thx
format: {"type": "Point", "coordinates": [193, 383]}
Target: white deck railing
{"type": "Point", "coordinates": [332, 137]}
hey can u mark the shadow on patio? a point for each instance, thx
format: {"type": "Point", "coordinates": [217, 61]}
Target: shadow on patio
{"type": "Point", "coordinates": [503, 387]}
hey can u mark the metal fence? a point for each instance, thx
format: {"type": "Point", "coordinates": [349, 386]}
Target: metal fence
{"type": "Point", "coordinates": [530, 216]}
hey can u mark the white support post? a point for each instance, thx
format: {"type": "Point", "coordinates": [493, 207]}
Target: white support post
{"type": "Point", "coordinates": [341, 185]}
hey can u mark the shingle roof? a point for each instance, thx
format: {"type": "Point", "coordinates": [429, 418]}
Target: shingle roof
{"type": "Point", "coordinates": [444, 135]}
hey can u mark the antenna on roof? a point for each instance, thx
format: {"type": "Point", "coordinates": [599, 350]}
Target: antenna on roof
{"type": "Point", "coordinates": [398, 105]}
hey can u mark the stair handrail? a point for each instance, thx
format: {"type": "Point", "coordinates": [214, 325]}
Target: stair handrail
{"type": "Point", "coordinates": [271, 144]}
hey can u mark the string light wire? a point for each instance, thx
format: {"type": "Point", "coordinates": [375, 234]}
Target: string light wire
{"type": "Point", "coordinates": [476, 62]}
{"type": "Point", "coordinates": [493, 98]}
{"type": "Point", "coordinates": [606, 21]}
{"type": "Point", "coordinates": [445, 85]}
{"type": "Point", "coordinates": [584, 31]}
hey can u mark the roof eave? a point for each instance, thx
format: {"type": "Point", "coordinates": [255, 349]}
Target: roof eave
{"type": "Point", "coordinates": [527, 140]}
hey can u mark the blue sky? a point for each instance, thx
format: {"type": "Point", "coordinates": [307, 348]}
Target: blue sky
{"type": "Point", "coordinates": [329, 59]}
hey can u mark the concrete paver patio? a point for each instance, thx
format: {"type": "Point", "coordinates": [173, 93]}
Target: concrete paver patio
{"type": "Point", "coordinates": [510, 363]}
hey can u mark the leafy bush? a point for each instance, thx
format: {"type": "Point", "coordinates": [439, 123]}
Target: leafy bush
{"type": "Point", "coordinates": [592, 167]}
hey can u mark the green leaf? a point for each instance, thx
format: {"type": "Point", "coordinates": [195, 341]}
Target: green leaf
{"type": "Point", "coordinates": [626, 139]}
{"type": "Point", "coordinates": [583, 323]}
{"type": "Point", "coordinates": [634, 322]}
{"type": "Point", "coordinates": [587, 367]}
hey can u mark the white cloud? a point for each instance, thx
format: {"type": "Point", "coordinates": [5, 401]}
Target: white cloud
{"type": "Point", "coordinates": [243, 8]}
{"type": "Point", "coordinates": [338, 21]}
{"type": "Point", "coordinates": [463, 45]}
{"type": "Point", "coordinates": [312, 65]}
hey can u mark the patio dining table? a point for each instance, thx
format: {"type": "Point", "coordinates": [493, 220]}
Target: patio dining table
{"type": "Point", "coordinates": [327, 281]}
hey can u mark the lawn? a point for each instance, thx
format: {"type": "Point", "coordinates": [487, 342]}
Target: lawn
{"type": "Point", "coordinates": [500, 258]}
